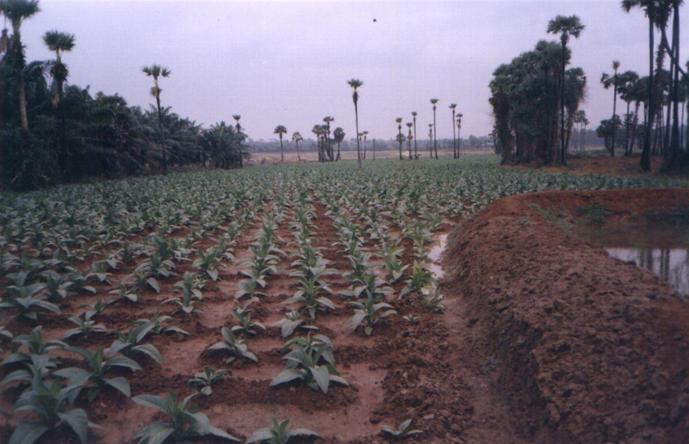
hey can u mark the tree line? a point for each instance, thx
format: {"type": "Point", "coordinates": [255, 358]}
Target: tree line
{"type": "Point", "coordinates": [54, 132]}
{"type": "Point", "coordinates": [535, 99]}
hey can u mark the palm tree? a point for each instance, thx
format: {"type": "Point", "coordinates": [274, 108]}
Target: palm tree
{"type": "Point", "coordinates": [297, 138]}
{"type": "Point", "coordinates": [434, 102]}
{"type": "Point", "coordinates": [339, 136]}
{"type": "Point", "coordinates": [453, 107]}
{"type": "Point", "coordinates": [59, 42]}
{"type": "Point", "coordinates": [157, 71]}
{"type": "Point", "coordinates": [365, 135]}
{"type": "Point", "coordinates": [356, 84]}
{"type": "Point", "coordinates": [409, 138]}
{"type": "Point", "coordinates": [16, 11]}
{"type": "Point", "coordinates": [238, 127]}
{"type": "Point", "coordinates": [565, 27]}
{"type": "Point", "coordinates": [649, 7]}
{"type": "Point", "coordinates": [459, 133]}
{"type": "Point", "coordinates": [280, 130]}
{"type": "Point", "coordinates": [430, 140]}
{"type": "Point", "coordinates": [416, 153]}
{"type": "Point", "coordinates": [400, 137]}
{"type": "Point", "coordinates": [328, 148]}
{"type": "Point", "coordinates": [628, 82]}
{"type": "Point", "coordinates": [607, 82]}
{"type": "Point", "coordinates": [236, 118]}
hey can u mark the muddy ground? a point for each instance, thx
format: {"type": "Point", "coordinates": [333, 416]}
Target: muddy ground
{"type": "Point", "coordinates": [544, 339]}
{"type": "Point", "coordinates": [585, 347]}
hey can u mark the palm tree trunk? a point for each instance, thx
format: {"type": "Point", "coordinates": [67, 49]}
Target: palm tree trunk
{"type": "Point", "coordinates": [416, 152]}
{"type": "Point", "coordinates": [358, 146]}
{"type": "Point", "coordinates": [673, 154]}
{"type": "Point", "coordinates": [646, 152]}
{"type": "Point", "coordinates": [454, 136]}
{"type": "Point", "coordinates": [162, 137]}
{"type": "Point", "coordinates": [22, 103]}
{"type": "Point", "coordinates": [282, 150]}
{"type": "Point", "coordinates": [563, 160]}
{"type": "Point", "coordinates": [627, 121]}
{"type": "Point", "coordinates": [435, 136]}
{"type": "Point", "coordinates": [614, 115]}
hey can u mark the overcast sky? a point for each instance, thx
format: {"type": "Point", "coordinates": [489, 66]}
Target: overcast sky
{"type": "Point", "coordinates": [287, 62]}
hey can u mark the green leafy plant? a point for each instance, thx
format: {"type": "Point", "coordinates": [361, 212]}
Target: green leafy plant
{"type": "Point", "coordinates": [291, 322]}
{"type": "Point", "coordinates": [246, 325]}
{"type": "Point", "coordinates": [180, 423]}
{"type": "Point", "coordinates": [310, 360]}
{"type": "Point", "coordinates": [51, 405]}
{"type": "Point", "coordinates": [94, 378]}
{"type": "Point", "coordinates": [190, 296]}
{"type": "Point", "coordinates": [419, 278]}
{"type": "Point", "coordinates": [203, 381]}
{"type": "Point", "coordinates": [85, 326]}
{"type": "Point", "coordinates": [368, 313]}
{"type": "Point", "coordinates": [233, 345]}
{"type": "Point", "coordinates": [159, 324]}
{"type": "Point", "coordinates": [280, 433]}
{"type": "Point", "coordinates": [402, 431]}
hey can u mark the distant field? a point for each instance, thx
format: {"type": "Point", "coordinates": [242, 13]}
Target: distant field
{"type": "Point", "coordinates": [312, 156]}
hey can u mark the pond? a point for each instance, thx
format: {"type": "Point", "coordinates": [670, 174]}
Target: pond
{"type": "Point", "coordinates": [671, 264]}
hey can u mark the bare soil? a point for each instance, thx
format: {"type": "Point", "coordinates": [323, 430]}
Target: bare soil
{"type": "Point", "coordinates": [582, 347]}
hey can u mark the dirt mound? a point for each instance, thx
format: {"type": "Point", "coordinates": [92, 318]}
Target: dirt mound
{"type": "Point", "coordinates": [585, 347]}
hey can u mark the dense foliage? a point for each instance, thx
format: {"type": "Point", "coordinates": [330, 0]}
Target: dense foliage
{"type": "Point", "coordinates": [55, 132]}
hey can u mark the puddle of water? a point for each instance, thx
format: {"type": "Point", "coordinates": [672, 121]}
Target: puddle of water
{"type": "Point", "coordinates": [661, 247]}
{"type": "Point", "coordinates": [435, 257]}
{"type": "Point", "coordinates": [671, 264]}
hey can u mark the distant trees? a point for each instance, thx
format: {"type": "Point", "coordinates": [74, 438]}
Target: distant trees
{"type": "Point", "coordinates": [356, 84]}
{"type": "Point", "coordinates": [612, 81]}
{"type": "Point", "coordinates": [453, 107]}
{"type": "Point", "coordinates": [157, 72]}
{"type": "Point", "coordinates": [416, 152]}
{"type": "Point", "coordinates": [280, 130]}
{"type": "Point", "coordinates": [16, 11]}
{"type": "Point", "coordinates": [297, 139]}
{"type": "Point", "coordinates": [400, 137]}
{"type": "Point", "coordinates": [527, 98]}
{"type": "Point", "coordinates": [566, 27]}
{"type": "Point", "coordinates": [339, 136]}
{"type": "Point", "coordinates": [434, 102]}
{"type": "Point", "coordinates": [225, 145]}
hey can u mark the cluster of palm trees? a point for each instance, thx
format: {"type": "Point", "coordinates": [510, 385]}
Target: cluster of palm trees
{"type": "Point", "coordinates": [536, 98]}
{"type": "Point", "coordinates": [659, 14]}
{"type": "Point", "coordinates": [432, 133]}
{"type": "Point", "coordinates": [634, 90]}
{"type": "Point", "coordinates": [43, 125]}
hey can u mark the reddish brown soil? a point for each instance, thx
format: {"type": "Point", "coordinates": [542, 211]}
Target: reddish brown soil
{"type": "Point", "coordinates": [584, 348]}
{"type": "Point", "coordinates": [599, 164]}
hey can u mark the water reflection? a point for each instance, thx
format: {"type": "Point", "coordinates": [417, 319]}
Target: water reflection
{"type": "Point", "coordinates": [671, 264]}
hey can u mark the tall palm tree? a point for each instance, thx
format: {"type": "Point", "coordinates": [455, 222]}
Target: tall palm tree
{"type": "Point", "coordinates": [328, 140]}
{"type": "Point", "coordinates": [409, 138]}
{"type": "Point", "coordinates": [453, 107]}
{"type": "Point", "coordinates": [339, 136]}
{"type": "Point", "coordinates": [649, 7]}
{"type": "Point", "coordinates": [280, 130]}
{"type": "Point", "coordinates": [59, 42]}
{"type": "Point", "coordinates": [434, 102]}
{"type": "Point", "coordinates": [430, 140]}
{"type": "Point", "coordinates": [459, 133]}
{"type": "Point", "coordinates": [157, 72]}
{"type": "Point", "coordinates": [16, 11]}
{"type": "Point", "coordinates": [365, 135]}
{"type": "Point", "coordinates": [566, 27]}
{"type": "Point", "coordinates": [356, 84]}
{"type": "Point", "coordinates": [297, 138]}
{"type": "Point", "coordinates": [608, 81]}
{"type": "Point", "coordinates": [416, 153]}
{"type": "Point", "coordinates": [238, 127]}
{"type": "Point", "coordinates": [236, 118]}
{"type": "Point", "coordinates": [400, 137]}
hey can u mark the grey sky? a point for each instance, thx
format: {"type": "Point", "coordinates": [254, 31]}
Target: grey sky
{"type": "Point", "coordinates": [287, 62]}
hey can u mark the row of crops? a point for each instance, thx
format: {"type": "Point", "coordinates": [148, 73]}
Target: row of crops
{"type": "Point", "coordinates": [96, 277]}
